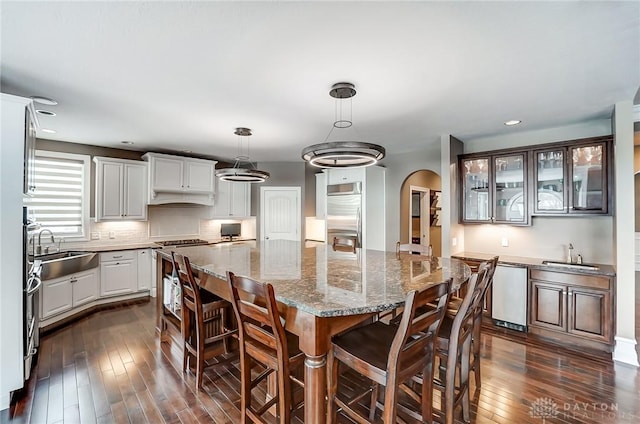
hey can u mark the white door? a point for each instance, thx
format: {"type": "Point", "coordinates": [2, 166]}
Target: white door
{"type": "Point", "coordinates": [280, 213]}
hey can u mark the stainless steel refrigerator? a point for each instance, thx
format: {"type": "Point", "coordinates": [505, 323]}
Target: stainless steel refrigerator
{"type": "Point", "coordinates": [344, 212]}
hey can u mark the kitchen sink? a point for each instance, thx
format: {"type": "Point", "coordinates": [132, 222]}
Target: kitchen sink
{"type": "Point", "coordinates": [571, 265]}
{"type": "Point", "coordinates": [59, 264]}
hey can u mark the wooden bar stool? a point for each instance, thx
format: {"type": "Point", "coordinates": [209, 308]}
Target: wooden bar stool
{"type": "Point", "coordinates": [264, 340]}
{"type": "Point", "coordinates": [454, 305]}
{"type": "Point", "coordinates": [390, 356]}
{"type": "Point", "coordinates": [204, 320]}
{"type": "Point", "coordinates": [453, 349]}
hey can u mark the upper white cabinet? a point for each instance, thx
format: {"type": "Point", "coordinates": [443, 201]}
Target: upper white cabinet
{"type": "Point", "coordinates": [176, 179]}
{"type": "Point", "coordinates": [321, 195]}
{"type": "Point", "coordinates": [121, 189]}
{"type": "Point", "coordinates": [345, 175]}
{"type": "Point", "coordinates": [233, 199]}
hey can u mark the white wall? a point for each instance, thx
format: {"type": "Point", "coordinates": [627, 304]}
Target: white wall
{"type": "Point", "coordinates": [547, 238]}
{"type": "Point", "coordinates": [399, 167]}
{"type": "Point", "coordinates": [625, 350]}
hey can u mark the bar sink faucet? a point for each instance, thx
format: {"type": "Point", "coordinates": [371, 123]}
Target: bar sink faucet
{"type": "Point", "coordinates": [570, 253]}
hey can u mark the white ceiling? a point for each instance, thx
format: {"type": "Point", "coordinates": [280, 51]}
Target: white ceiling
{"type": "Point", "coordinates": [183, 75]}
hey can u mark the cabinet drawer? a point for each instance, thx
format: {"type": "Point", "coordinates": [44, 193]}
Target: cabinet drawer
{"type": "Point", "coordinates": [116, 256]}
{"type": "Point", "coordinates": [592, 281]}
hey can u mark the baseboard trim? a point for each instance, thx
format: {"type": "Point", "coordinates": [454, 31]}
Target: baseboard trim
{"type": "Point", "coordinates": [625, 351]}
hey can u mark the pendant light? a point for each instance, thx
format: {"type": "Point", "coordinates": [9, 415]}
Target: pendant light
{"type": "Point", "coordinates": [238, 174]}
{"type": "Point", "coordinates": [342, 154]}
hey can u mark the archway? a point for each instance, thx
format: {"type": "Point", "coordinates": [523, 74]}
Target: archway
{"type": "Point", "coordinates": [419, 210]}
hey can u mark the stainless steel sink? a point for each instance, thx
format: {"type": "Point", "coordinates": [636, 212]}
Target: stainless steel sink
{"type": "Point", "coordinates": [571, 266]}
{"type": "Point", "coordinates": [59, 264]}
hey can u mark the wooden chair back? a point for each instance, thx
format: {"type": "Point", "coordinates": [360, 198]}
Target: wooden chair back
{"type": "Point", "coordinates": [260, 326]}
{"type": "Point", "coordinates": [189, 292]}
{"type": "Point", "coordinates": [418, 327]}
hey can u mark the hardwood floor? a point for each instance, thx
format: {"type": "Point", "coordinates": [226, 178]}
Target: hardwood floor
{"type": "Point", "coordinates": [109, 367]}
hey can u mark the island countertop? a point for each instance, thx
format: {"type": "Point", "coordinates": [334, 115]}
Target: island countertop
{"type": "Point", "coordinates": [316, 279]}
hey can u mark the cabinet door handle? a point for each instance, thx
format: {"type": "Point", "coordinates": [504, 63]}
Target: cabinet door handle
{"type": "Point", "coordinates": [570, 293]}
{"type": "Point", "coordinates": [117, 257]}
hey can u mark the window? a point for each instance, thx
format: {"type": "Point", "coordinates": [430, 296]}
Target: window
{"type": "Point", "coordinates": [61, 199]}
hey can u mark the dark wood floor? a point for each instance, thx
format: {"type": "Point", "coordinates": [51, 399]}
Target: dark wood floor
{"type": "Point", "coordinates": [109, 367]}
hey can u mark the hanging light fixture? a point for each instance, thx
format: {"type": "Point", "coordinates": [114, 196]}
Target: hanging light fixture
{"type": "Point", "coordinates": [342, 154]}
{"type": "Point", "coordinates": [238, 174]}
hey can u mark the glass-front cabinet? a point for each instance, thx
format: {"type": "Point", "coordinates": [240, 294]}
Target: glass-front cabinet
{"type": "Point", "coordinates": [571, 179]}
{"type": "Point", "coordinates": [494, 189]}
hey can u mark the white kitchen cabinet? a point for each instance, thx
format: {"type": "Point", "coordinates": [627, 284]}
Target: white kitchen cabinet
{"type": "Point", "coordinates": [233, 199]}
{"type": "Point", "coordinates": [345, 175]}
{"type": "Point", "coordinates": [65, 293]}
{"type": "Point", "coordinates": [321, 195]}
{"type": "Point", "coordinates": [180, 179]}
{"type": "Point", "coordinates": [144, 269]}
{"type": "Point", "coordinates": [121, 189]}
{"type": "Point", "coordinates": [118, 273]}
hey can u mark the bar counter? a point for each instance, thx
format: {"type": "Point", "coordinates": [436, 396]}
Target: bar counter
{"type": "Point", "coordinates": [324, 292]}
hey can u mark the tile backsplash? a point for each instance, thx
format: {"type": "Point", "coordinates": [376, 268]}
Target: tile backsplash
{"type": "Point", "coordinates": [165, 223]}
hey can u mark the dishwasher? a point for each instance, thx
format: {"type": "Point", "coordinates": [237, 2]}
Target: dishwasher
{"type": "Point", "coordinates": [509, 297]}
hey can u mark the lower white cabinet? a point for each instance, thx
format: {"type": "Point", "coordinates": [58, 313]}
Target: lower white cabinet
{"type": "Point", "coordinates": [144, 269]}
{"type": "Point", "coordinates": [118, 272]}
{"type": "Point", "coordinates": [65, 293]}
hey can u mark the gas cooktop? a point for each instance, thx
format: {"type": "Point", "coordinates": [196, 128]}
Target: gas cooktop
{"type": "Point", "coordinates": [185, 242]}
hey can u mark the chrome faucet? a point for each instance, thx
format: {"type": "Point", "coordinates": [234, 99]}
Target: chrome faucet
{"type": "Point", "coordinates": [38, 248]}
{"type": "Point", "coordinates": [570, 254]}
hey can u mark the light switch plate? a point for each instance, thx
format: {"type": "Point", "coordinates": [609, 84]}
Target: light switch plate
{"type": "Point", "coordinates": [505, 242]}
{"type": "Point", "coordinates": [95, 236]}
{"type": "Point", "coordinates": [112, 234]}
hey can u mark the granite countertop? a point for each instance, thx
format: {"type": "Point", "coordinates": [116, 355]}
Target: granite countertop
{"type": "Point", "coordinates": [536, 263]}
{"type": "Point", "coordinates": [314, 278]}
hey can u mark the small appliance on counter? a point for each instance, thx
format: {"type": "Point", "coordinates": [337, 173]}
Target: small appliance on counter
{"type": "Point", "coordinates": [229, 231]}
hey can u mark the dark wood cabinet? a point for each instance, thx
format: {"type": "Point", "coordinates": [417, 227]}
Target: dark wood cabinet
{"type": "Point", "coordinates": [572, 308]}
{"type": "Point", "coordinates": [572, 178]}
{"type": "Point", "coordinates": [494, 188]}
{"type": "Point", "coordinates": [564, 178]}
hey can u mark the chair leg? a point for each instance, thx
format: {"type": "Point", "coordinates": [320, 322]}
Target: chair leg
{"type": "Point", "coordinates": [284, 395]}
{"type": "Point", "coordinates": [475, 346]}
{"type": "Point", "coordinates": [464, 378]}
{"type": "Point", "coordinates": [332, 373]}
{"type": "Point", "coordinates": [450, 382]}
{"type": "Point", "coordinates": [374, 399]}
{"type": "Point", "coordinates": [245, 386]}
{"type": "Point", "coordinates": [427, 390]}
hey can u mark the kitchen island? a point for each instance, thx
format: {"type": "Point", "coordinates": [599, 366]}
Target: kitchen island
{"type": "Point", "coordinates": [322, 291]}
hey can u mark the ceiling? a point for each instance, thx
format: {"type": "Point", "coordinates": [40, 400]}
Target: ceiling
{"type": "Point", "coordinates": [182, 75]}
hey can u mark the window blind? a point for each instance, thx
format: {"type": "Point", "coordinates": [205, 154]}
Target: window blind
{"type": "Point", "coordinates": [59, 202]}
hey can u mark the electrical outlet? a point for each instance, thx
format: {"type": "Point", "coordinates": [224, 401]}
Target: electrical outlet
{"type": "Point", "coordinates": [112, 234]}
{"type": "Point", "coordinates": [454, 241]}
{"type": "Point", "coordinates": [505, 242]}
{"type": "Point", "coordinates": [95, 236]}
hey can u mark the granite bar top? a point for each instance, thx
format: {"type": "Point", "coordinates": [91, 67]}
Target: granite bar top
{"type": "Point", "coordinates": [315, 278]}
{"type": "Point", "coordinates": [536, 263]}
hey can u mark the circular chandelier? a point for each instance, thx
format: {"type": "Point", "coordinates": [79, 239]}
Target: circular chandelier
{"type": "Point", "coordinates": [237, 173]}
{"type": "Point", "coordinates": [342, 153]}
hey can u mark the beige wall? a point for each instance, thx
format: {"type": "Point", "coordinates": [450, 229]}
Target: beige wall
{"type": "Point", "coordinates": [636, 170]}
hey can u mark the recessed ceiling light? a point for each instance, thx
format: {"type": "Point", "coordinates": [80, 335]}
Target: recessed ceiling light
{"type": "Point", "coordinates": [187, 151]}
{"type": "Point", "coordinates": [127, 142]}
{"type": "Point", "coordinates": [47, 130]}
{"type": "Point", "coordinates": [45, 112]}
{"type": "Point", "coordinates": [513, 122]}
{"type": "Point", "coordinates": [44, 101]}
